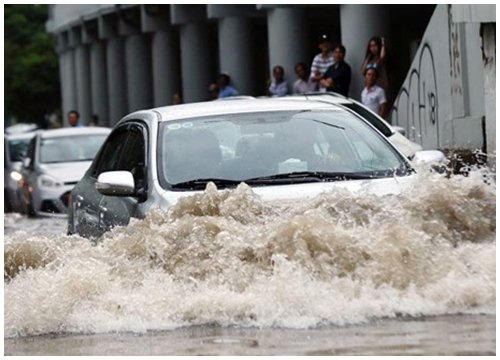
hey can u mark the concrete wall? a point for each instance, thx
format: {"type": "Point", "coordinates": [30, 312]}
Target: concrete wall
{"type": "Point", "coordinates": [441, 102]}
{"type": "Point", "coordinates": [479, 13]}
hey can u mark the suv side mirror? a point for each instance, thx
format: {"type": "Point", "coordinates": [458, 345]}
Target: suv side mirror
{"type": "Point", "coordinates": [116, 183]}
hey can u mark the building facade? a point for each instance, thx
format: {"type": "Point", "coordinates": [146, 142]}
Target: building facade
{"type": "Point", "coordinates": [115, 59]}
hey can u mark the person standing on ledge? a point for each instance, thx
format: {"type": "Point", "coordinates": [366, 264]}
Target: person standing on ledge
{"type": "Point", "coordinates": [279, 86]}
{"type": "Point", "coordinates": [377, 56]}
{"type": "Point", "coordinates": [225, 89]}
{"type": "Point", "coordinates": [338, 76]}
{"type": "Point", "coordinates": [304, 83]}
{"type": "Point", "coordinates": [322, 61]}
{"type": "Point", "coordinates": [213, 91]}
{"type": "Point", "coordinates": [373, 96]}
{"type": "Point", "coordinates": [74, 119]}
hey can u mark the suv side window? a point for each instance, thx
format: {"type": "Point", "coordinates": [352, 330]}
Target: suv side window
{"type": "Point", "coordinates": [134, 159]}
{"type": "Point", "coordinates": [109, 157]}
{"type": "Point", "coordinates": [372, 119]}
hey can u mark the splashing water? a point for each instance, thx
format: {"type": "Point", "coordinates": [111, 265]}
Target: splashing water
{"type": "Point", "coordinates": [229, 258]}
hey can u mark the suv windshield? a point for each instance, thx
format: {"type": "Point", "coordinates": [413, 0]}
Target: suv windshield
{"type": "Point", "coordinates": [70, 148]}
{"type": "Point", "coordinates": [18, 149]}
{"type": "Point", "coordinates": [272, 147]}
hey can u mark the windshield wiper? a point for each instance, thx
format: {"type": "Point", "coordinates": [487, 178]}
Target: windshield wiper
{"type": "Point", "coordinates": [287, 178]}
{"type": "Point", "coordinates": [312, 176]}
{"type": "Point", "coordinates": [200, 184]}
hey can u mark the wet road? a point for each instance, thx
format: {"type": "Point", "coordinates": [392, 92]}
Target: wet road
{"type": "Point", "coordinates": [14, 222]}
{"type": "Point", "coordinates": [442, 335]}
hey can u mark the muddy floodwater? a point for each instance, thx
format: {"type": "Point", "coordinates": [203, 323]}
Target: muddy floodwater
{"type": "Point", "coordinates": [225, 273]}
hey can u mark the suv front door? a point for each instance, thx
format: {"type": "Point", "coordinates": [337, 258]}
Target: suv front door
{"type": "Point", "coordinates": [86, 199]}
{"type": "Point", "coordinates": [117, 210]}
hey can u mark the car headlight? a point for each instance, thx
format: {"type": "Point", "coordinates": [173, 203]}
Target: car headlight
{"type": "Point", "coordinates": [16, 176]}
{"type": "Point", "coordinates": [49, 181]}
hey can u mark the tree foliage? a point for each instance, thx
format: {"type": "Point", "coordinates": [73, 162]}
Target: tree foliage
{"type": "Point", "coordinates": [31, 66]}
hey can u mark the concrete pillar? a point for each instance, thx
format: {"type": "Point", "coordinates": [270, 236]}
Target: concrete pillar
{"type": "Point", "coordinates": [99, 82]}
{"type": "Point", "coordinates": [288, 40]}
{"type": "Point", "coordinates": [68, 83]}
{"type": "Point", "coordinates": [358, 23]}
{"type": "Point", "coordinates": [196, 62]}
{"type": "Point", "coordinates": [139, 78]}
{"type": "Point", "coordinates": [117, 85]}
{"type": "Point", "coordinates": [236, 53]}
{"type": "Point", "coordinates": [165, 64]}
{"type": "Point", "coordinates": [82, 70]}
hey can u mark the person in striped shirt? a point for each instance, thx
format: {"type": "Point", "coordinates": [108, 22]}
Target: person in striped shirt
{"type": "Point", "coordinates": [322, 61]}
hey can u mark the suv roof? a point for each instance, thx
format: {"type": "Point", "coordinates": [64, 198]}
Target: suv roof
{"type": "Point", "coordinates": [245, 105]}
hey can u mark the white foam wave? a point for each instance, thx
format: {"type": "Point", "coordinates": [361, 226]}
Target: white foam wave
{"type": "Point", "coordinates": [229, 258]}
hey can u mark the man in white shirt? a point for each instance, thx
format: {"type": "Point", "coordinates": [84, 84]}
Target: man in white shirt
{"type": "Point", "coordinates": [373, 96]}
{"type": "Point", "coordinates": [303, 84]}
{"type": "Point", "coordinates": [322, 61]}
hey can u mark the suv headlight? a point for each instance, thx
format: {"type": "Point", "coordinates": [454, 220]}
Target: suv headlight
{"type": "Point", "coordinates": [49, 181]}
{"type": "Point", "coordinates": [15, 175]}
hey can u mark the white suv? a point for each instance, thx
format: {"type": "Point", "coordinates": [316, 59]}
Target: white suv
{"type": "Point", "coordinates": [283, 149]}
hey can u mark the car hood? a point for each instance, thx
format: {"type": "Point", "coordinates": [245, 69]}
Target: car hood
{"type": "Point", "coordinates": [66, 172]}
{"type": "Point", "coordinates": [309, 190]}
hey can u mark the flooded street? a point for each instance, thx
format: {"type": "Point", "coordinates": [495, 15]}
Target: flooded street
{"type": "Point", "coordinates": [224, 273]}
{"type": "Point", "coordinates": [443, 335]}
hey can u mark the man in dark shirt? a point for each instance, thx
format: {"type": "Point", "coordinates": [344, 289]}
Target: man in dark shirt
{"type": "Point", "coordinates": [338, 76]}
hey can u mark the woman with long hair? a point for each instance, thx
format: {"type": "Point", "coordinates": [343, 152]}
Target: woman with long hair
{"type": "Point", "coordinates": [377, 57]}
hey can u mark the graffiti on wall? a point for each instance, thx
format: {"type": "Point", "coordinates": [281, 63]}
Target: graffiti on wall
{"type": "Point", "coordinates": [416, 107]}
{"type": "Point", "coordinates": [455, 37]}
{"type": "Point", "coordinates": [454, 44]}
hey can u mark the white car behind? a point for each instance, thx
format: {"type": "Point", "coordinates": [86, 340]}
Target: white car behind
{"type": "Point", "coordinates": [15, 148]}
{"type": "Point", "coordinates": [56, 160]}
